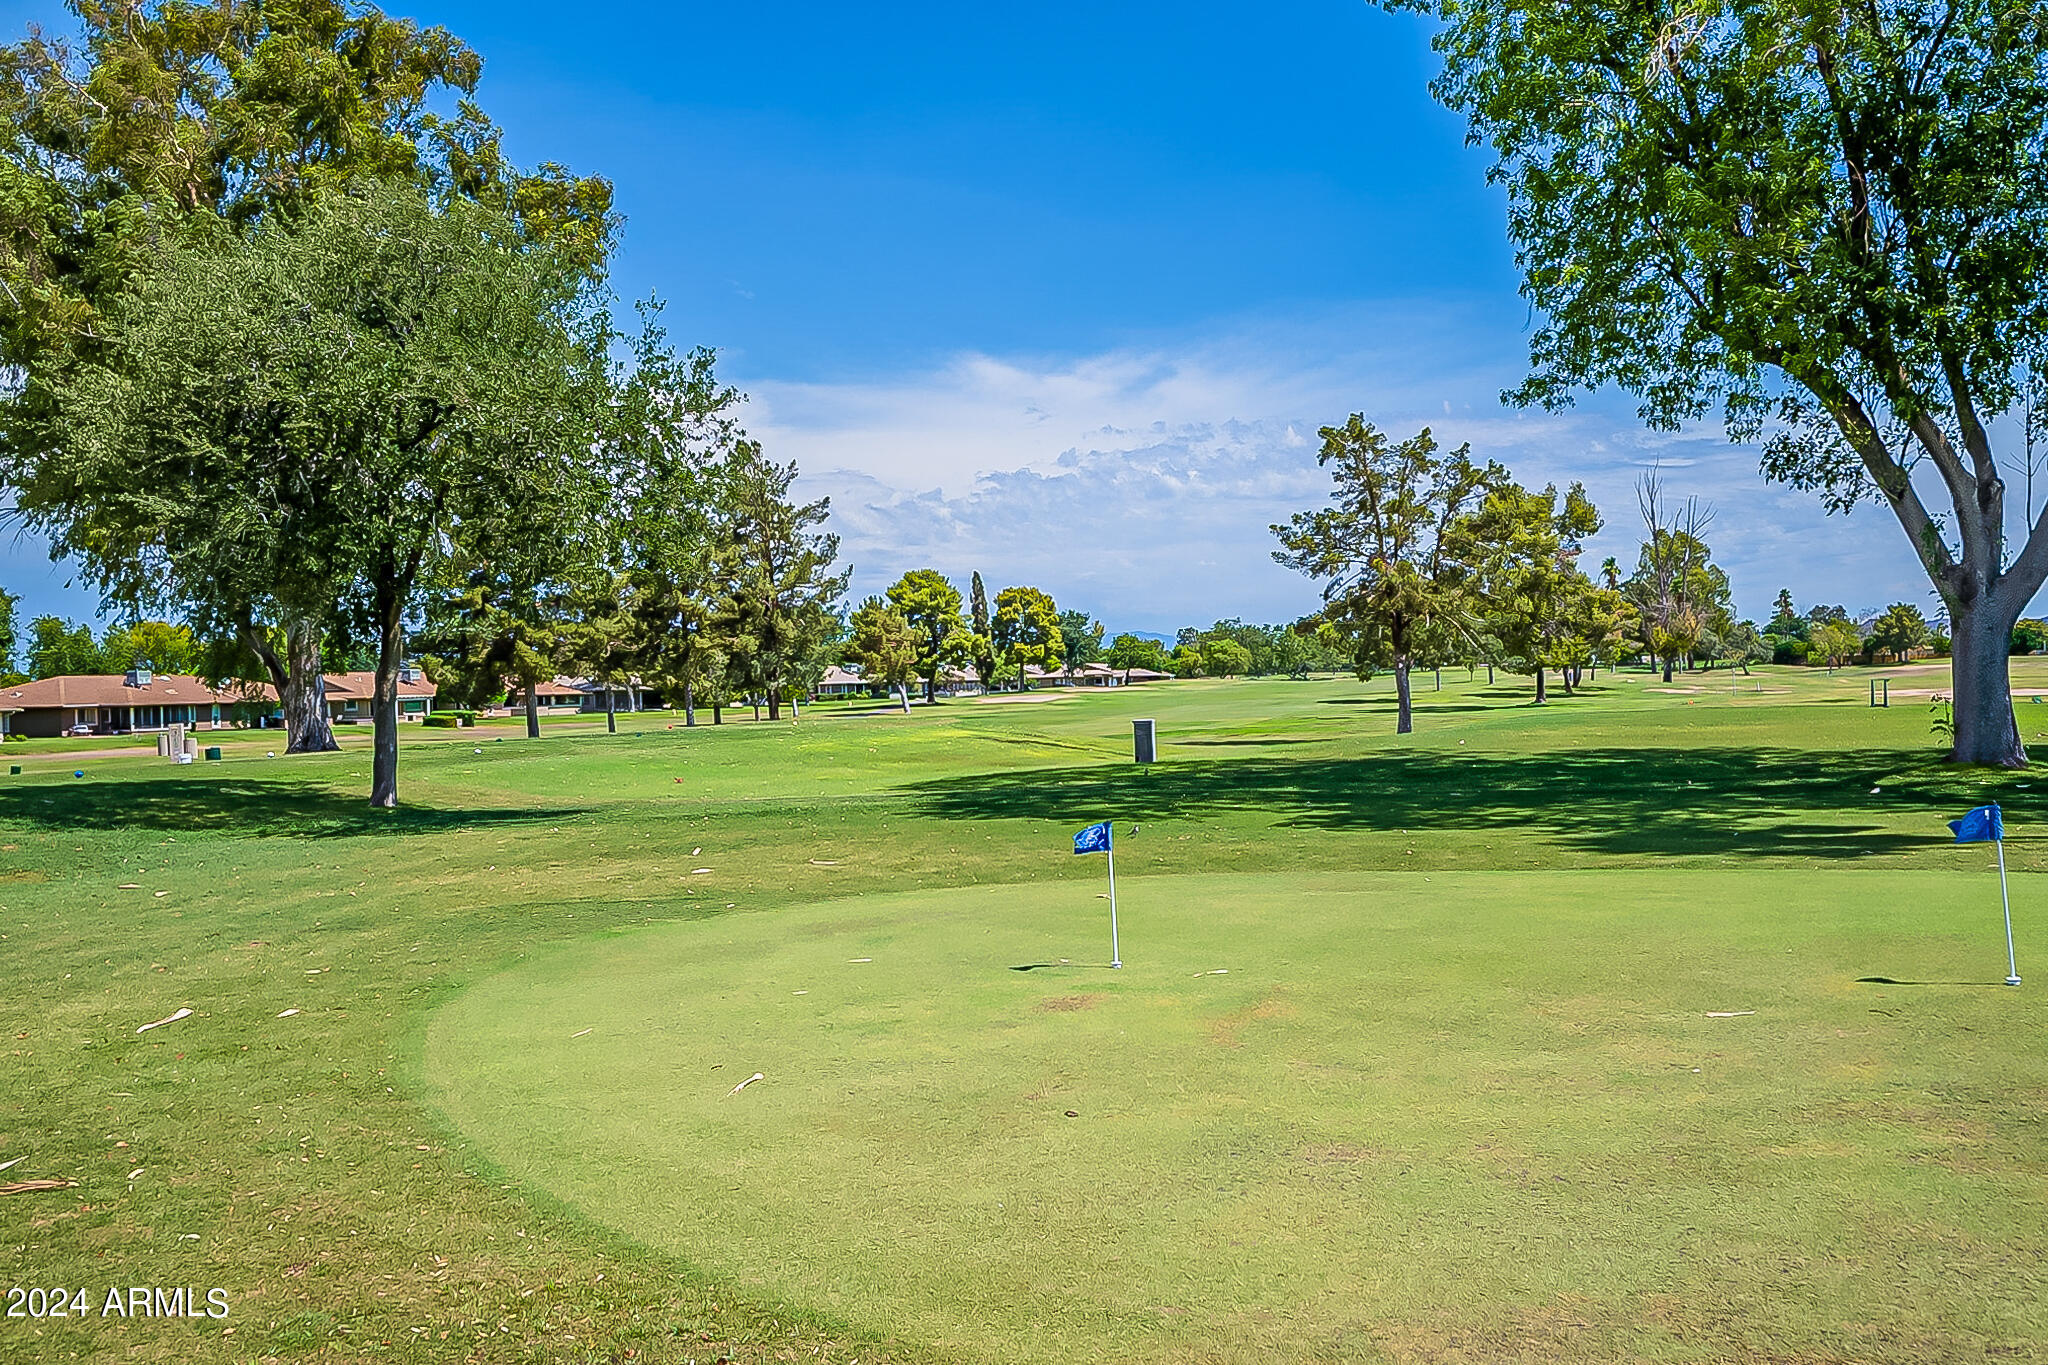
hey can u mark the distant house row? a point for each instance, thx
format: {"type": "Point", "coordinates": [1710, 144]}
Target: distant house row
{"type": "Point", "coordinates": [140, 701]}
{"type": "Point", "coordinates": [954, 682]}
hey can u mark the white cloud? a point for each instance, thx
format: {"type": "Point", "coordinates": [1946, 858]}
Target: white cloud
{"type": "Point", "coordinates": [1139, 483]}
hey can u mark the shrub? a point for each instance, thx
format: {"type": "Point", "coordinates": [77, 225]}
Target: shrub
{"type": "Point", "coordinates": [442, 722]}
{"type": "Point", "coordinates": [1788, 651]}
{"type": "Point", "coordinates": [1939, 644]}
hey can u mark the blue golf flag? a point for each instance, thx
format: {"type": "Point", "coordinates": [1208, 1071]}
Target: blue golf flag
{"type": "Point", "coordinates": [1981, 825]}
{"type": "Point", "coordinates": [1094, 839]}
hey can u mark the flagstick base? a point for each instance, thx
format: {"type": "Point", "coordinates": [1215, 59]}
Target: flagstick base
{"type": "Point", "coordinates": [1120, 966]}
{"type": "Point", "coordinates": [2012, 981]}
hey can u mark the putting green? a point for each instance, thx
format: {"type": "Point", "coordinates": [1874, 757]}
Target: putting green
{"type": "Point", "coordinates": [1316, 1116]}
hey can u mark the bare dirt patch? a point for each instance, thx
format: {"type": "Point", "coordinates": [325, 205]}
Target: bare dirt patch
{"type": "Point", "coordinates": [1067, 1004]}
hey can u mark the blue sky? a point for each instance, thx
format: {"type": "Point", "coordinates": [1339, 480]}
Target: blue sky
{"type": "Point", "coordinates": [1062, 292]}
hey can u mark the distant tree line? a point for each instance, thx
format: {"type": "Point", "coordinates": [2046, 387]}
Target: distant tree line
{"type": "Point", "coordinates": [1430, 559]}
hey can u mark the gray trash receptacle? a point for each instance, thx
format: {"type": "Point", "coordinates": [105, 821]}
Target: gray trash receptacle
{"type": "Point", "coordinates": [1143, 743]}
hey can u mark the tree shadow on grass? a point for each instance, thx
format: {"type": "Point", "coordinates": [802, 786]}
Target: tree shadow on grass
{"type": "Point", "coordinates": [253, 806]}
{"type": "Point", "coordinates": [1248, 743]}
{"type": "Point", "coordinates": [1773, 803]}
{"type": "Point", "coordinates": [1421, 704]}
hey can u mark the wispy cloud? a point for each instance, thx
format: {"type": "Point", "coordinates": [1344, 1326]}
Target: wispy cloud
{"type": "Point", "coordinates": [1139, 483]}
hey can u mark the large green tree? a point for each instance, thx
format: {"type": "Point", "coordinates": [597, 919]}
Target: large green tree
{"type": "Point", "coordinates": [1391, 550]}
{"type": "Point", "coordinates": [932, 607]}
{"type": "Point", "coordinates": [1080, 639]}
{"type": "Point", "coordinates": [317, 409]}
{"type": "Point", "coordinates": [884, 644]}
{"type": "Point", "coordinates": [162, 645]}
{"type": "Point", "coordinates": [1541, 607]}
{"type": "Point", "coordinates": [58, 648]}
{"type": "Point", "coordinates": [775, 569]}
{"type": "Point", "coordinates": [1127, 652]}
{"type": "Point", "coordinates": [1902, 629]}
{"type": "Point", "coordinates": [983, 626]}
{"type": "Point", "coordinates": [156, 119]}
{"type": "Point", "coordinates": [1027, 630]}
{"type": "Point", "coordinates": [678, 450]}
{"type": "Point", "coordinates": [1825, 218]}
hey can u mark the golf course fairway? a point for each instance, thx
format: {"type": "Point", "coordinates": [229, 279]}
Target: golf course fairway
{"type": "Point", "coordinates": [1575, 1115]}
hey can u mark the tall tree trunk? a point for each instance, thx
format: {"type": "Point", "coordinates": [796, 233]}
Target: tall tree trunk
{"type": "Point", "coordinates": [1541, 694]}
{"type": "Point", "coordinates": [931, 688]}
{"type": "Point", "coordinates": [531, 686]}
{"type": "Point", "coordinates": [1404, 718]}
{"type": "Point", "coordinates": [301, 690]}
{"type": "Point", "coordinates": [384, 713]}
{"type": "Point", "coordinates": [904, 693]}
{"type": "Point", "coordinates": [1980, 664]}
{"type": "Point", "coordinates": [774, 704]}
{"type": "Point", "coordinates": [689, 703]}
{"type": "Point", "coordinates": [611, 710]}
{"type": "Point", "coordinates": [1489, 675]}
{"type": "Point", "coordinates": [1439, 680]}
{"type": "Point", "coordinates": [1667, 668]}
{"type": "Point", "coordinates": [717, 709]}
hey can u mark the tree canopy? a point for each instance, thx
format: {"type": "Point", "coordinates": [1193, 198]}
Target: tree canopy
{"type": "Point", "coordinates": [1027, 630]}
{"type": "Point", "coordinates": [932, 607]}
{"type": "Point", "coordinates": [301, 417]}
{"type": "Point", "coordinates": [884, 645]}
{"type": "Point", "coordinates": [1825, 219]}
{"type": "Point", "coordinates": [1390, 550]}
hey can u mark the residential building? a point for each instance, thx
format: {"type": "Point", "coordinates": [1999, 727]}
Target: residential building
{"type": "Point", "coordinates": [118, 704]}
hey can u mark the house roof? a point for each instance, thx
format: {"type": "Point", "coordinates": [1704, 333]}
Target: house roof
{"type": "Point", "coordinates": [598, 685]}
{"type": "Point", "coordinates": [114, 689]}
{"type": "Point", "coordinates": [835, 676]}
{"type": "Point", "coordinates": [552, 687]}
{"type": "Point", "coordinates": [179, 689]}
{"type": "Point", "coordinates": [364, 685]}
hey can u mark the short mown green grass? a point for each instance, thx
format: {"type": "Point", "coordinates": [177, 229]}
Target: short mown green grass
{"type": "Point", "coordinates": [1314, 1116]}
{"type": "Point", "coordinates": [1441, 1105]}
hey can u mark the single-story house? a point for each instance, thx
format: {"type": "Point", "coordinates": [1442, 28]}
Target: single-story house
{"type": "Point", "coordinates": [349, 695]}
{"type": "Point", "coordinates": [555, 694]}
{"type": "Point", "coordinates": [630, 695]}
{"type": "Point", "coordinates": [1093, 675]}
{"type": "Point", "coordinates": [958, 682]}
{"type": "Point", "coordinates": [121, 703]}
{"type": "Point", "coordinates": [842, 682]}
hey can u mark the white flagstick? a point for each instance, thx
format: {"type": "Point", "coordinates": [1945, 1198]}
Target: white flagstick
{"type": "Point", "coordinates": [1115, 956]}
{"type": "Point", "coordinates": [2012, 965]}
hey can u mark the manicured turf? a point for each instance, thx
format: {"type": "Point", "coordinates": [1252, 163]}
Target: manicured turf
{"type": "Point", "coordinates": [1315, 1116]}
{"type": "Point", "coordinates": [339, 1173]}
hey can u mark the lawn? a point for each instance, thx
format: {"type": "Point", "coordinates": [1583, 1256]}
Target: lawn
{"type": "Point", "coordinates": [456, 1084]}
